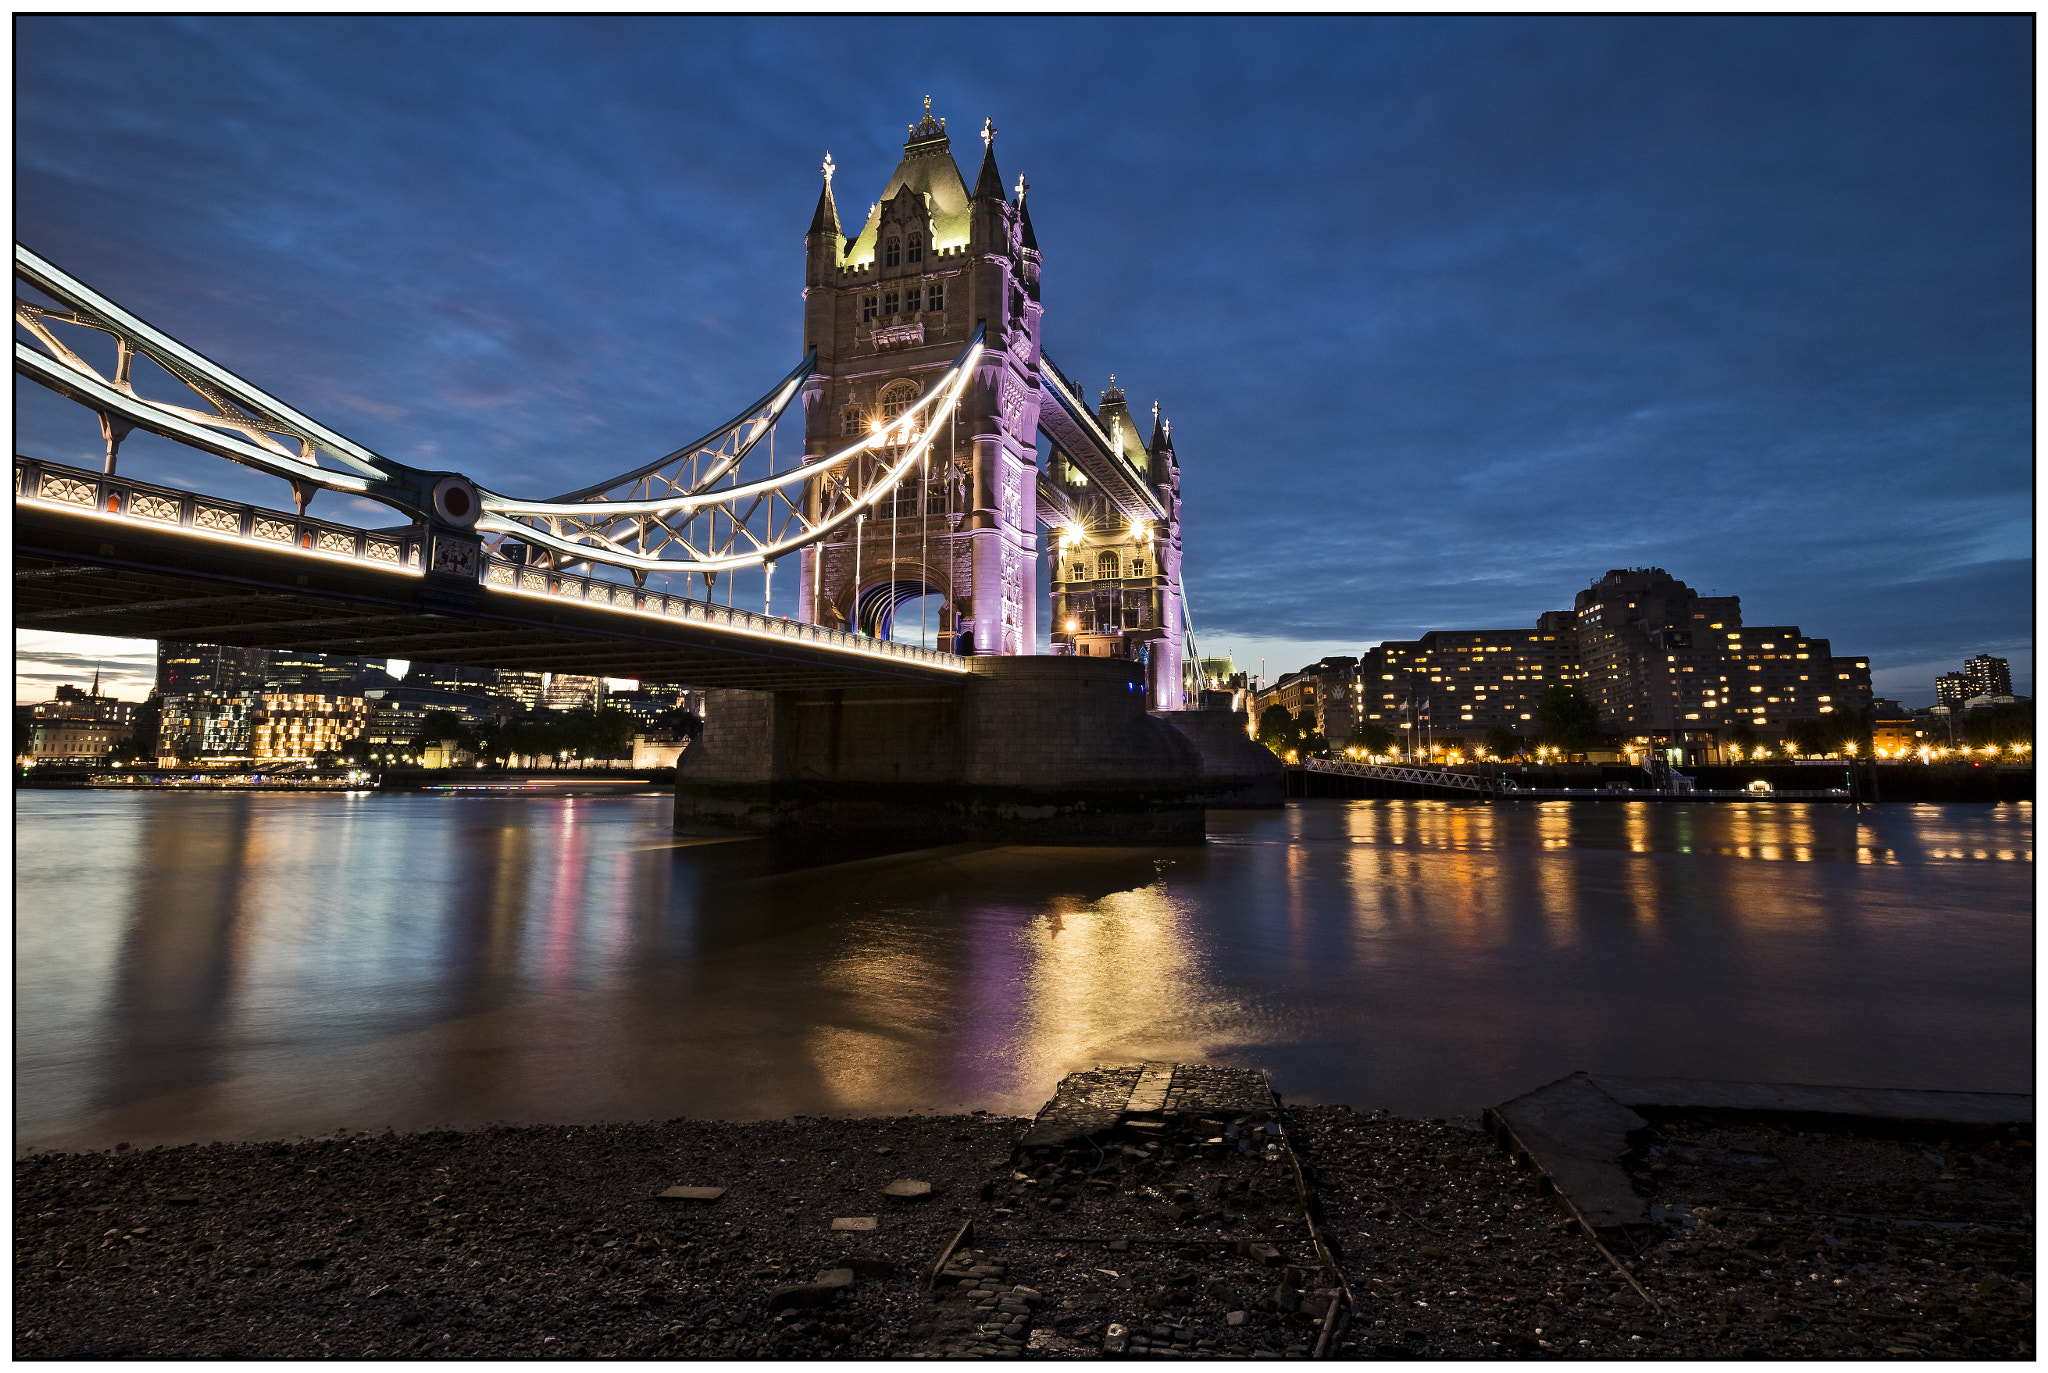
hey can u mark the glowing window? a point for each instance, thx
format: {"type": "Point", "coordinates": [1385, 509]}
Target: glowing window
{"type": "Point", "coordinates": [1106, 565]}
{"type": "Point", "coordinates": [896, 398]}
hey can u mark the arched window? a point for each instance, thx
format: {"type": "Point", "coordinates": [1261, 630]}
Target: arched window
{"type": "Point", "coordinates": [896, 398]}
{"type": "Point", "coordinates": [851, 422]}
{"type": "Point", "coordinates": [892, 254]}
{"type": "Point", "coordinates": [916, 246]}
{"type": "Point", "coordinates": [1105, 565]}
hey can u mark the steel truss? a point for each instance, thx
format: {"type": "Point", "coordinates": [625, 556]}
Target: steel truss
{"type": "Point", "coordinates": [712, 506]}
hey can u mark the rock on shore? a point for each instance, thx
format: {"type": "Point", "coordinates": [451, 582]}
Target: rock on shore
{"type": "Point", "coordinates": [552, 1241]}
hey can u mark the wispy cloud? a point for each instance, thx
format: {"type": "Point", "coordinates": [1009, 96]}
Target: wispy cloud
{"type": "Point", "coordinates": [1451, 315]}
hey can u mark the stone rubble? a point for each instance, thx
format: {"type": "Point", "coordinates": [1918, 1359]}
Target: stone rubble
{"type": "Point", "coordinates": [1180, 1235]}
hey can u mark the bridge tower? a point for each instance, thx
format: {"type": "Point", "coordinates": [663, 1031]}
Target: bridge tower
{"type": "Point", "coordinates": [887, 310]}
{"type": "Point", "coordinates": [1115, 564]}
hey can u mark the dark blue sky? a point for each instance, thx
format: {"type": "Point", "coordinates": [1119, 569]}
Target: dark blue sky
{"type": "Point", "coordinates": [1451, 315]}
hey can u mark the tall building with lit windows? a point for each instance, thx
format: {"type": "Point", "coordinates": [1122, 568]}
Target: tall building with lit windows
{"type": "Point", "coordinates": [1659, 662]}
{"type": "Point", "coordinates": [1454, 685]}
{"type": "Point", "coordinates": [1985, 675]}
{"type": "Point", "coordinates": [1662, 662]}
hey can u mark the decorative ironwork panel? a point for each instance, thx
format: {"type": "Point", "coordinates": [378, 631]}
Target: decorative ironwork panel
{"type": "Point", "coordinates": [213, 517]}
{"type": "Point", "coordinates": [378, 551]}
{"type": "Point", "coordinates": [498, 574]}
{"type": "Point", "coordinates": [331, 542]}
{"type": "Point", "coordinates": [535, 582]}
{"type": "Point", "coordinates": [154, 508]}
{"type": "Point", "coordinates": [68, 490]}
{"type": "Point", "coordinates": [279, 531]}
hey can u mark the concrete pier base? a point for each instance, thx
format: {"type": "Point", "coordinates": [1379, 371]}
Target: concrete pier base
{"type": "Point", "coordinates": [1033, 750]}
{"type": "Point", "coordinates": [1238, 773]}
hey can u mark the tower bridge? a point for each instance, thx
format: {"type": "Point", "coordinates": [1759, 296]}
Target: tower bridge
{"type": "Point", "coordinates": [923, 392]}
{"type": "Point", "coordinates": [885, 309]}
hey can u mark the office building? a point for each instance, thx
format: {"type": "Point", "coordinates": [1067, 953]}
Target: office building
{"type": "Point", "coordinates": [1985, 675]}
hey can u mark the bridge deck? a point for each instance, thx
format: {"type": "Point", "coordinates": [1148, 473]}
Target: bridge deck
{"type": "Point", "coordinates": [155, 568]}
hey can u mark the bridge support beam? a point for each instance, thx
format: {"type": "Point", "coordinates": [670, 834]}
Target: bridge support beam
{"type": "Point", "coordinates": [1026, 750]}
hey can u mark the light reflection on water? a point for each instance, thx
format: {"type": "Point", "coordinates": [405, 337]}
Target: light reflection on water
{"type": "Point", "coordinates": [248, 966]}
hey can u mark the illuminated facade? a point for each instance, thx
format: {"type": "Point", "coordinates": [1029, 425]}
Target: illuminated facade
{"type": "Point", "coordinates": [888, 309]}
{"type": "Point", "coordinates": [1664, 662]}
{"type": "Point", "coordinates": [1453, 685]}
{"type": "Point", "coordinates": [291, 725]}
{"type": "Point", "coordinates": [1116, 581]}
{"type": "Point", "coordinates": [206, 725]}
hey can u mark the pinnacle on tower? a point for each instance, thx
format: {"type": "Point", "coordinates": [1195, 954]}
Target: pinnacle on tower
{"type": "Point", "coordinates": [990, 182]}
{"type": "Point", "coordinates": [1030, 240]}
{"type": "Point", "coordinates": [826, 220]}
{"type": "Point", "coordinates": [1158, 430]}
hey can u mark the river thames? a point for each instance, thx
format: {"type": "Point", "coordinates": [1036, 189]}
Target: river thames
{"type": "Point", "coordinates": [203, 966]}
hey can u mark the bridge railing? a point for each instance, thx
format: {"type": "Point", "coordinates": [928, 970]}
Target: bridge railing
{"type": "Point", "coordinates": [1415, 776]}
{"type": "Point", "coordinates": [119, 500]}
{"type": "Point", "coordinates": [166, 507]}
{"type": "Point", "coordinates": [540, 581]}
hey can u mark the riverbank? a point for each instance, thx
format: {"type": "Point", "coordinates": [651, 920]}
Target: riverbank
{"type": "Point", "coordinates": [1181, 1237]}
{"type": "Point", "coordinates": [541, 781]}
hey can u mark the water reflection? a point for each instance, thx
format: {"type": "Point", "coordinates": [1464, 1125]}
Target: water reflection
{"type": "Point", "coordinates": [200, 967]}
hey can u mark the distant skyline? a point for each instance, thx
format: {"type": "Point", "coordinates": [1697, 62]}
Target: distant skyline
{"type": "Point", "coordinates": [1451, 315]}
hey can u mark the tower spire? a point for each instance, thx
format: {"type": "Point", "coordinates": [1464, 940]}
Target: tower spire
{"type": "Point", "coordinates": [826, 220]}
{"type": "Point", "coordinates": [1028, 239]}
{"type": "Point", "coordinates": [990, 183]}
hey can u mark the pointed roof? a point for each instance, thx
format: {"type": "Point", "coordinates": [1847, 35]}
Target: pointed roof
{"type": "Point", "coordinates": [1158, 431]}
{"type": "Point", "coordinates": [1024, 215]}
{"type": "Point", "coordinates": [929, 171]}
{"type": "Point", "coordinates": [990, 182]}
{"type": "Point", "coordinates": [826, 220]}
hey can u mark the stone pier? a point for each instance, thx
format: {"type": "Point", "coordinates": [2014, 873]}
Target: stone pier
{"type": "Point", "coordinates": [1034, 750]}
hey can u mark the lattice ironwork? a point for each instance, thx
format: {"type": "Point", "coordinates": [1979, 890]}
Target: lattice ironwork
{"type": "Point", "coordinates": [712, 506]}
{"type": "Point", "coordinates": [706, 511]}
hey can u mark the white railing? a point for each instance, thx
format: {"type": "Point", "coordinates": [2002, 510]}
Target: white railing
{"type": "Point", "coordinates": [1384, 772]}
{"type": "Point", "coordinates": [120, 501]}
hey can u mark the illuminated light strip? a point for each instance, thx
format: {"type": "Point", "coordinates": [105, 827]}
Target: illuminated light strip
{"type": "Point", "coordinates": [948, 662]}
{"type": "Point", "coordinates": [776, 401]}
{"type": "Point", "coordinates": [956, 379]}
{"type": "Point", "coordinates": [609, 553]}
{"type": "Point", "coordinates": [59, 377]}
{"type": "Point", "coordinates": [43, 276]}
{"type": "Point", "coordinates": [217, 536]}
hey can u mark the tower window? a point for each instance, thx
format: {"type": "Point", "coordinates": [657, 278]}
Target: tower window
{"type": "Point", "coordinates": [850, 424]}
{"type": "Point", "coordinates": [916, 247]}
{"type": "Point", "coordinates": [1080, 573]}
{"type": "Point", "coordinates": [888, 302]}
{"type": "Point", "coordinates": [893, 254]}
{"type": "Point", "coordinates": [896, 398]}
{"type": "Point", "coordinates": [867, 309]}
{"type": "Point", "coordinates": [1106, 565]}
{"type": "Point", "coordinates": [1137, 567]}
{"type": "Point", "coordinates": [935, 298]}
{"type": "Point", "coordinates": [910, 303]}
